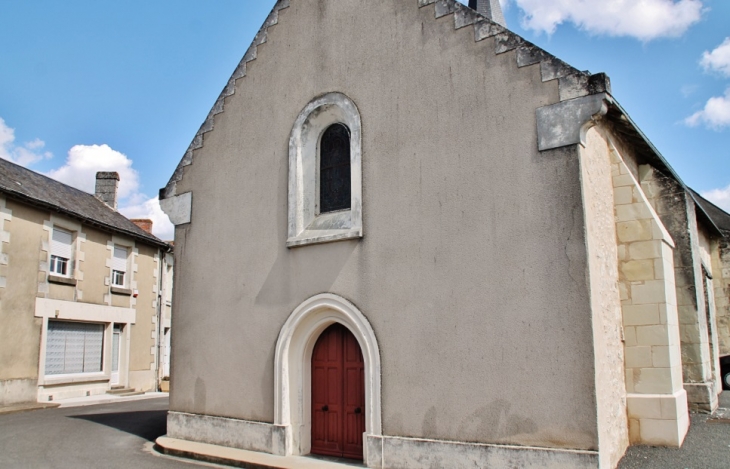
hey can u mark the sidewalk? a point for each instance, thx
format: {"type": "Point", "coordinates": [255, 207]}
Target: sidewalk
{"type": "Point", "coordinates": [78, 402]}
{"type": "Point", "coordinates": [107, 399]}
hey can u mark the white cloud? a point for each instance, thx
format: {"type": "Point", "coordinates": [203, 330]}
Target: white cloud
{"type": "Point", "coordinates": [719, 197]}
{"type": "Point", "coordinates": [84, 161]}
{"type": "Point", "coordinates": [718, 60]}
{"type": "Point", "coordinates": [150, 208]}
{"type": "Point", "coordinates": [24, 155]}
{"type": "Point", "coordinates": [641, 19]}
{"type": "Point", "coordinates": [715, 115]}
{"type": "Point", "coordinates": [80, 169]}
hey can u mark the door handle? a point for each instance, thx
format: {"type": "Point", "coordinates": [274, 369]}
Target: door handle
{"type": "Point", "coordinates": [358, 410]}
{"type": "Point", "coordinates": [325, 408]}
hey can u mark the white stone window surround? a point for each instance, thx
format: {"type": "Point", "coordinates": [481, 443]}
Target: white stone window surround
{"type": "Point", "coordinates": [306, 224]}
{"type": "Point", "coordinates": [75, 271]}
{"type": "Point", "coordinates": [62, 249]}
{"type": "Point", "coordinates": [48, 309]}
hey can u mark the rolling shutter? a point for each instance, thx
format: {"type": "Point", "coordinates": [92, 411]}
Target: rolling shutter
{"type": "Point", "coordinates": [119, 262]}
{"type": "Point", "coordinates": [62, 244]}
{"type": "Point", "coordinates": [74, 347]}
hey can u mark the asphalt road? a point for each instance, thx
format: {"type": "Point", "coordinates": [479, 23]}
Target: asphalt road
{"type": "Point", "coordinates": [110, 436]}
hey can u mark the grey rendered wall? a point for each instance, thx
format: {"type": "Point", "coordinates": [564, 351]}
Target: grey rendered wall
{"type": "Point", "coordinates": [472, 270]}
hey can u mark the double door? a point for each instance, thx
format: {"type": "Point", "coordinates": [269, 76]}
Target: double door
{"type": "Point", "coordinates": [338, 394]}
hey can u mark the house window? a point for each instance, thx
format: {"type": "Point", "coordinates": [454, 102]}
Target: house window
{"type": "Point", "coordinates": [61, 252]}
{"type": "Point", "coordinates": [119, 267]}
{"type": "Point", "coordinates": [325, 172]}
{"type": "Point", "coordinates": [334, 169]}
{"type": "Point", "coordinates": [74, 347]}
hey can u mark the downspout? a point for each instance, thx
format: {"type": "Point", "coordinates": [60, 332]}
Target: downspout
{"type": "Point", "coordinates": [158, 327]}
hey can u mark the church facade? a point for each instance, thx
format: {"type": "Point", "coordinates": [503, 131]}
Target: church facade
{"type": "Point", "coordinates": [436, 244]}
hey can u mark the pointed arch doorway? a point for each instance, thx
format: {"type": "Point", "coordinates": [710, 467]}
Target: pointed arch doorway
{"type": "Point", "coordinates": [338, 394]}
{"type": "Point", "coordinates": [293, 374]}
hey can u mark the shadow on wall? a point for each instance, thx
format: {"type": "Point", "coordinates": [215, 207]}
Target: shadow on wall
{"type": "Point", "coordinates": [147, 424]}
{"type": "Point", "coordinates": [301, 272]}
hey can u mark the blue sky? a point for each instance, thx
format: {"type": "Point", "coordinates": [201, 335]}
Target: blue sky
{"type": "Point", "coordinates": [88, 85]}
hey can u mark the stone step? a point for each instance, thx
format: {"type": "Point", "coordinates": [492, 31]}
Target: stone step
{"type": "Point", "coordinates": [123, 392]}
{"type": "Point", "coordinates": [242, 458]}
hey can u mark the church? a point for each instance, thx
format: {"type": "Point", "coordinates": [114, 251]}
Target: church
{"type": "Point", "coordinates": [407, 236]}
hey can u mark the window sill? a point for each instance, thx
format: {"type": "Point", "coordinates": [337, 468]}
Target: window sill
{"type": "Point", "coordinates": [62, 280]}
{"type": "Point", "coordinates": [323, 236]}
{"type": "Point", "coordinates": [327, 228]}
{"type": "Point", "coordinates": [53, 380]}
{"type": "Point", "coordinates": [121, 291]}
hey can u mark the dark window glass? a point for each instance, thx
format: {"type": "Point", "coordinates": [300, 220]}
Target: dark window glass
{"type": "Point", "coordinates": [334, 169]}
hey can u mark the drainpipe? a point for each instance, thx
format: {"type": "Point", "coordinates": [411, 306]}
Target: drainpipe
{"type": "Point", "coordinates": [158, 325]}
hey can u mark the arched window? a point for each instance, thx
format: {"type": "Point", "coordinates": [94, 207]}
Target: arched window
{"type": "Point", "coordinates": [325, 172]}
{"type": "Point", "coordinates": [334, 169]}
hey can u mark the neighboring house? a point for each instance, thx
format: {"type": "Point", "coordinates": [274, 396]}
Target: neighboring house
{"type": "Point", "coordinates": [80, 290]}
{"type": "Point", "coordinates": [407, 235]}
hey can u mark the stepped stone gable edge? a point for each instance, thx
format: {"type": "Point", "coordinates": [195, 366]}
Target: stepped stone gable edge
{"type": "Point", "coordinates": [572, 82]}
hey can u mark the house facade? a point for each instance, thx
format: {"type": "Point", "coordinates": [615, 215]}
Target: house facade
{"type": "Point", "coordinates": [81, 291]}
{"type": "Point", "coordinates": [452, 249]}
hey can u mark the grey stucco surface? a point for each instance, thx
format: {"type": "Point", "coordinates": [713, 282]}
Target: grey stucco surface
{"type": "Point", "coordinates": [472, 271]}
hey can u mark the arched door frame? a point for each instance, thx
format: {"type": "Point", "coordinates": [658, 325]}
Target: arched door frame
{"type": "Point", "coordinates": [293, 368]}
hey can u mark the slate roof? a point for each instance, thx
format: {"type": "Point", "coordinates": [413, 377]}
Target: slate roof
{"type": "Point", "coordinates": [35, 189]}
{"type": "Point", "coordinates": [719, 217]}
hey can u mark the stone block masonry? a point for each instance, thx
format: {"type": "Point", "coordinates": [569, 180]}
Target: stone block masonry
{"type": "Point", "coordinates": [675, 208]}
{"type": "Point", "coordinates": [656, 401]}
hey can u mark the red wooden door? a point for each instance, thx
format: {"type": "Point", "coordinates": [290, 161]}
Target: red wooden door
{"type": "Point", "coordinates": [338, 394]}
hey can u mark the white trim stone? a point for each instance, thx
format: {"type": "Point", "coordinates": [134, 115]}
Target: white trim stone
{"type": "Point", "coordinates": [292, 369]}
{"type": "Point", "coordinates": [179, 208]}
{"type": "Point", "coordinates": [306, 224]}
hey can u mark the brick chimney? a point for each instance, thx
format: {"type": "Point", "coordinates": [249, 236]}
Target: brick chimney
{"type": "Point", "coordinates": [144, 223]}
{"type": "Point", "coordinates": [489, 8]}
{"type": "Point", "coordinates": [106, 187]}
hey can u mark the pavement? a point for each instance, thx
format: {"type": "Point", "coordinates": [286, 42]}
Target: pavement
{"type": "Point", "coordinates": [79, 402]}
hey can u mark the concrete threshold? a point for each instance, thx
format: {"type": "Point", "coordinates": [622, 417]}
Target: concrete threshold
{"type": "Point", "coordinates": [242, 458]}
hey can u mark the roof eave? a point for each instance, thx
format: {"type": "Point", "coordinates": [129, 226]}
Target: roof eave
{"type": "Point", "coordinates": [89, 221]}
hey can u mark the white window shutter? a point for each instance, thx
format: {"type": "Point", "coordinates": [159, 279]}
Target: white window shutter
{"type": "Point", "coordinates": [119, 262]}
{"type": "Point", "coordinates": [62, 244]}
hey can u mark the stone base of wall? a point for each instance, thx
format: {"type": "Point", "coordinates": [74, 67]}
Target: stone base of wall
{"type": "Point", "coordinates": [17, 391]}
{"type": "Point", "coordinates": [222, 431]}
{"type": "Point", "coordinates": [702, 397]}
{"type": "Point", "coordinates": [50, 393]}
{"type": "Point", "coordinates": [393, 452]}
{"type": "Point", "coordinates": [381, 452]}
{"type": "Point", "coordinates": [658, 419]}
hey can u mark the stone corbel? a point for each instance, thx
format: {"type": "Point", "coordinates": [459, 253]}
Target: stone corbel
{"type": "Point", "coordinates": [567, 122]}
{"type": "Point", "coordinates": [178, 208]}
